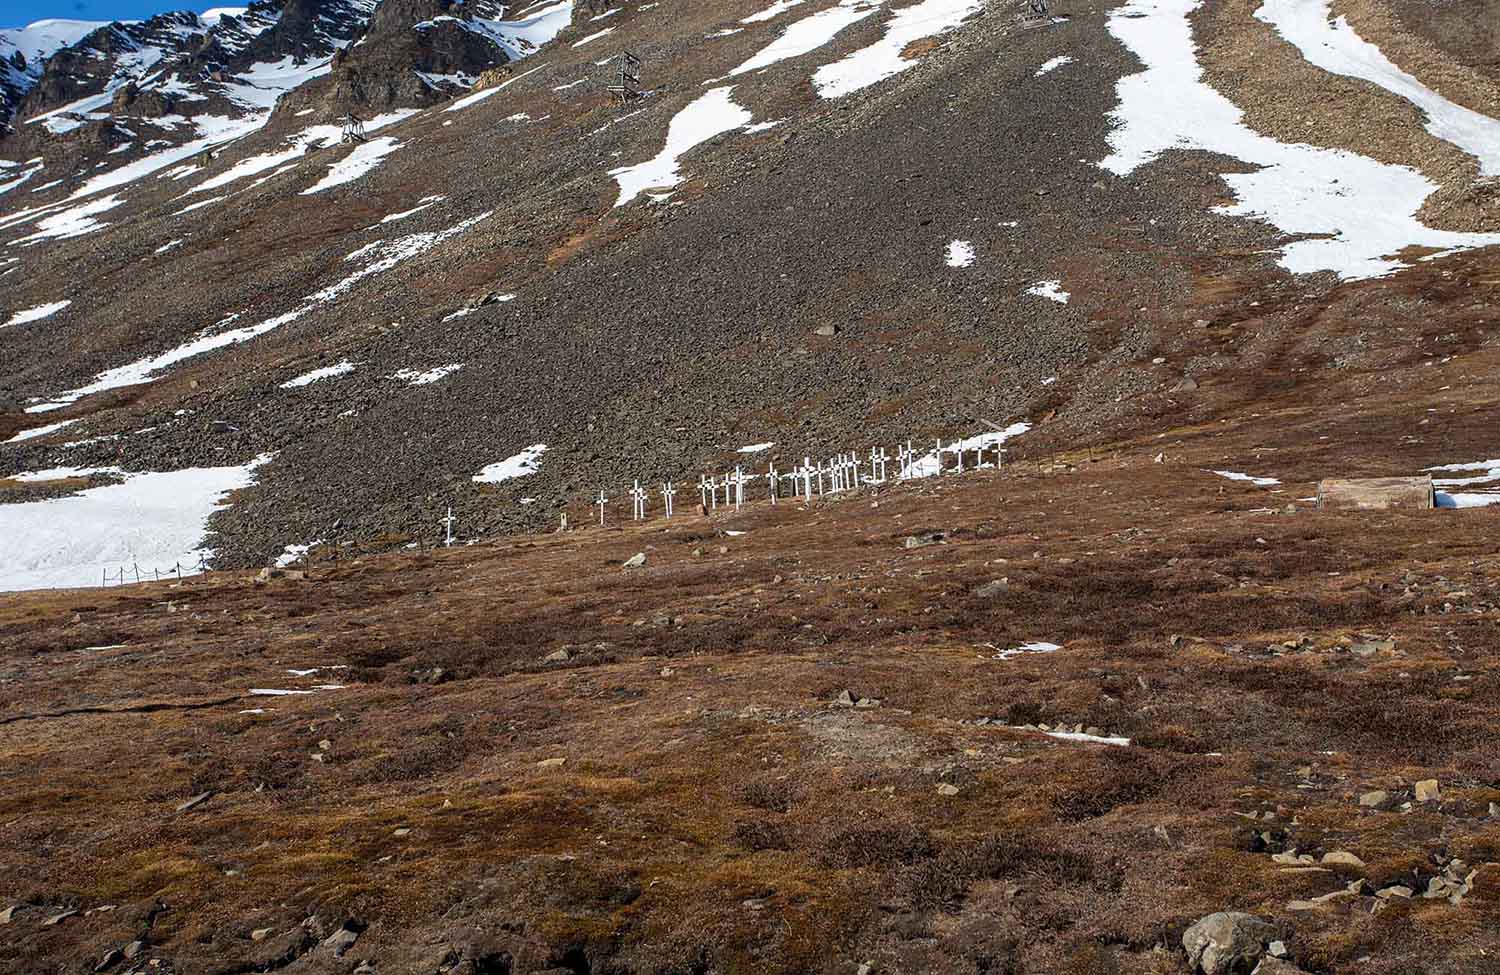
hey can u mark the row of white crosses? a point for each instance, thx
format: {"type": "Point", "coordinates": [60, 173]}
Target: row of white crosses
{"type": "Point", "coordinates": [840, 473]}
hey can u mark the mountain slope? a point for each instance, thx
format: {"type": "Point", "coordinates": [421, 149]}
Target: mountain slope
{"type": "Point", "coordinates": [644, 288]}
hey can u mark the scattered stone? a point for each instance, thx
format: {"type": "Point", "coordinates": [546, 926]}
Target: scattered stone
{"type": "Point", "coordinates": [195, 801]}
{"type": "Point", "coordinates": [1343, 858]}
{"type": "Point", "coordinates": [1376, 798]}
{"type": "Point", "coordinates": [401, 831]}
{"type": "Point", "coordinates": [992, 589]}
{"type": "Point", "coordinates": [924, 539]}
{"type": "Point", "coordinates": [111, 958]}
{"type": "Point", "coordinates": [947, 789]}
{"type": "Point", "coordinates": [261, 934]}
{"type": "Point", "coordinates": [1427, 791]}
{"type": "Point", "coordinates": [636, 561]}
{"type": "Point", "coordinates": [556, 657]}
{"type": "Point", "coordinates": [1277, 966]}
{"type": "Point", "coordinates": [845, 699]}
{"type": "Point", "coordinates": [1395, 890]}
{"type": "Point", "coordinates": [1495, 809]}
{"type": "Point", "coordinates": [9, 914]}
{"type": "Point", "coordinates": [1226, 943]}
{"type": "Point", "coordinates": [551, 763]}
{"type": "Point", "coordinates": [1277, 949]}
{"type": "Point", "coordinates": [268, 573]}
{"type": "Point", "coordinates": [1186, 385]}
{"type": "Point", "coordinates": [325, 745]}
{"type": "Point", "coordinates": [133, 949]}
{"type": "Point", "coordinates": [828, 331]}
{"type": "Point", "coordinates": [341, 940]}
{"type": "Point", "coordinates": [57, 919]}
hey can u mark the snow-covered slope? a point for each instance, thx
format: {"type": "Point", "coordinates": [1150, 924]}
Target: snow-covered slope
{"type": "Point", "coordinates": [24, 52]}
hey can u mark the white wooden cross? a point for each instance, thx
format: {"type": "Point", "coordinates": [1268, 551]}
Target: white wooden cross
{"type": "Point", "coordinates": [739, 487]}
{"type": "Point", "coordinates": [601, 502]}
{"type": "Point", "coordinates": [639, 496]}
{"type": "Point", "coordinates": [774, 482]}
{"type": "Point", "coordinates": [854, 468]}
{"type": "Point", "coordinates": [881, 458]}
{"type": "Point", "coordinates": [1000, 453]}
{"type": "Point", "coordinates": [705, 484]}
{"type": "Point", "coordinates": [807, 479]}
{"type": "Point", "coordinates": [668, 492]}
{"type": "Point", "coordinates": [448, 524]}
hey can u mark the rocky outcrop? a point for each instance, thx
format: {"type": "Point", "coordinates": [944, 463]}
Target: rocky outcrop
{"type": "Point", "coordinates": [1227, 943]}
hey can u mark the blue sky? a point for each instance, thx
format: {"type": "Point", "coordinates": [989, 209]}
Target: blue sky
{"type": "Point", "coordinates": [18, 13]}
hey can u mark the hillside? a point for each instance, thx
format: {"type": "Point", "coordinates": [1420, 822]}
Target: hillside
{"type": "Point", "coordinates": [1183, 262]}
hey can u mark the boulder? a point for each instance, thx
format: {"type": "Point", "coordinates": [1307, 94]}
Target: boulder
{"type": "Point", "coordinates": [990, 590]}
{"type": "Point", "coordinates": [1343, 858]}
{"type": "Point", "coordinates": [636, 561]}
{"type": "Point", "coordinates": [1427, 791]}
{"type": "Point", "coordinates": [1375, 493]}
{"type": "Point", "coordinates": [1226, 943]}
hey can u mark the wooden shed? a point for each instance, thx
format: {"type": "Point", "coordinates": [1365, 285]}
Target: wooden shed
{"type": "Point", "coordinates": [1375, 493]}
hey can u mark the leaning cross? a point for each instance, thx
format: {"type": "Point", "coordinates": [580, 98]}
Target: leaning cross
{"type": "Point", "coordinates": [448, 524]}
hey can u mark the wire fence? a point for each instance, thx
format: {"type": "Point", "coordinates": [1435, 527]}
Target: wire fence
{"type": "Point", "coordinates": [134, 574]}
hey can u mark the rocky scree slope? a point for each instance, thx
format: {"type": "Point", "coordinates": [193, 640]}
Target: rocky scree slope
{"type": "Point", "coordinates": [476, 267]}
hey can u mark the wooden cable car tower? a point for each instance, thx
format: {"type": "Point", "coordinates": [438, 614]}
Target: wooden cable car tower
{"type": "Point", "coordinates": [354, 128]}
{"type": "Point", "coordinates": [629, 87]}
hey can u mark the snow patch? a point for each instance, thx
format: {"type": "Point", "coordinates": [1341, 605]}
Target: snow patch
{"type": "Point", "coordinates": [35, 432]}
{"type": "Point", "coordinates": [36, 314]}
{"type": "Point", "coordinates": [885, 57]}
{"type": "Point", "coordinates": [154, 520]}
{"type": "Point", "coordinates": [418, 377]}
{"type": "Point", "coordinates": [710, 114]}
{"type": "Point", "coordinates": [327, 372]}
{"type": "Point", "coordinates": [522, 464]}
{"type": "Point", "coordinates": [365, 157]}
{"type": "Point", "coordinates": [960, 253]}
{"type": "Point", "coordinates": [808, 34]}
{"type": "Point", "coordinates": [1248, 478]}
{"type": "Point", "coordinates": [1051, 290]}
{"type": "Point", "coordinates": [1052, 65]}
{"type": "Point", "coordinates": [772, 12]}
